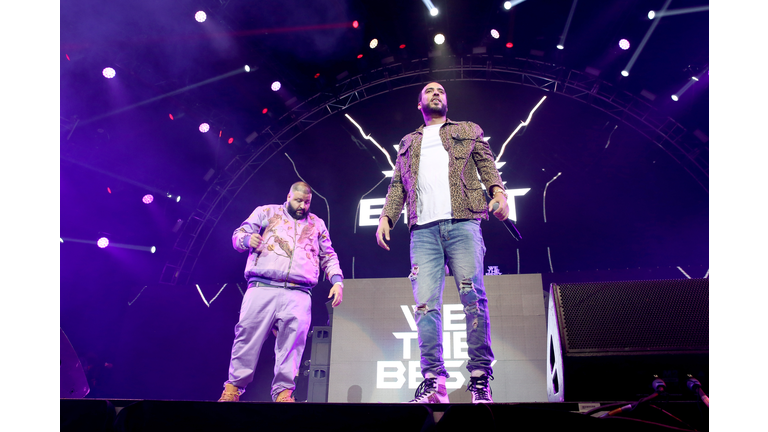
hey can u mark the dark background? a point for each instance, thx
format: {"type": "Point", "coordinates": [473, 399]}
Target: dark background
{"type": "Point", "coordinates": [627, 211]}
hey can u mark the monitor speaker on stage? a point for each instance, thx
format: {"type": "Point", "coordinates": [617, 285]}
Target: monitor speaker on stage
{"type": "Point", "coordinates": [319, 366]}
{"type": "Point", "coordinates": [74, 384]}
{"type": "Point", "coordinates": [609, 341]}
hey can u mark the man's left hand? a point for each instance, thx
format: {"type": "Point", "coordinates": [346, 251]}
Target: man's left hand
{"type": "Point", "coordinates": [337, 292]}
{"type": "Point", "coordinates": [503, 211]}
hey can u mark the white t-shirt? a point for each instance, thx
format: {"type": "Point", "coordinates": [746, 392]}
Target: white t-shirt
{"type": "Point", "coordinates": [433, 190]}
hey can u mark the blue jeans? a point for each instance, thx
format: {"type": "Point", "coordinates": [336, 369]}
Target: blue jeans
{"type": "Point", "coordinates": [459, 244]}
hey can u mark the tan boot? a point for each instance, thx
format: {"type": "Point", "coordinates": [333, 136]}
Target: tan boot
{"type": "Point", "coordinates": [285, 396]}
{"type": "Point", "coordinates": [230, 394]}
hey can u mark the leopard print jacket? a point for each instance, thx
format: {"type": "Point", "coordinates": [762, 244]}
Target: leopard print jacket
{"type": "Point", "coordinates": [468, 155]}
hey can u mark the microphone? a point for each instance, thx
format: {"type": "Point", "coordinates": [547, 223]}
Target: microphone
{"type": "Point", "coordinates": [509, 224]}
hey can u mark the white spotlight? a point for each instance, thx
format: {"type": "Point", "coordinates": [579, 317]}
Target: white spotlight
{"type": "Point", "coordinates": [507, 5]}
{"type": "Point", "coordinates": [624, 44]}
{"type": "Point", "coordinates": [651, 14]}
{"type": "Point", "coordinates": [204, 127]}
{"type": "Point", "coordinates": [495, 33]}
{"type": "Point", "coordinates": [439, 39]}
{"type": "Point", "coordinates": [374, 43]}
{"type": "Point", "coordinates": [675, 98]}
{"type": "Point", "coordinates": [433, 11]}
{"type": "Point", "coordinates": [625, 73]}
{"type": "Point", "coordinates": [200, 16]}
{"type": "Point", "coordinates": [276, 86]}
{"type": "Point", "coordinates": [153, 249]}
{"type": "Point", "coordinates": [108, 72]}
{"type": "Point", "coordinates": [247, 68]}
{"type": "Point", "coordinates": [560, 46]}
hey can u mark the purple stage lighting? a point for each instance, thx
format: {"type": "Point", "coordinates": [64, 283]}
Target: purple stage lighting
{"type": "Point", "coordinates": [200, 16]}
{"type": "Point", "coordinates": [147, 198]}
{"type": "Point", "coordinates": [624, 44]}
{"type": "Point", "coordinates": [103, 242]}
{"type": "Point", "coordinates": [108, 72]}
{"type": "Point", "coordinates": [204, 127]}
{"type": "Point", "coordinates": [276, 86]}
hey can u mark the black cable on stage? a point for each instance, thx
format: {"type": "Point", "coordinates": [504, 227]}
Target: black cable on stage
{"type": "Point", "coordinates": [671, 415]}
{"type": "Point", "coordinates": [651, 423]}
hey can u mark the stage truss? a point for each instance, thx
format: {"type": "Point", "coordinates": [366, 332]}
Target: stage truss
{"type": "Point", "coordinates": [686, 149]}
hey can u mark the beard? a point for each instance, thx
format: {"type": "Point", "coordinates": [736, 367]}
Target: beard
{"type": "Point", "coordinates": [295, 212]}
{"type": "Point", "coordinates": [442, 110]}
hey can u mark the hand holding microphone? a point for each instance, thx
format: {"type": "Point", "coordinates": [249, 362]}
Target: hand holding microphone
{"type": "Point", "coordinates": [508, 222]}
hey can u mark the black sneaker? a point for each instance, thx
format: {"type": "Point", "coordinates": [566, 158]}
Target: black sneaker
{"type": "Point", "coordinates": [481, 390]}
{"type": "Point", "coordinates": [430, 391]}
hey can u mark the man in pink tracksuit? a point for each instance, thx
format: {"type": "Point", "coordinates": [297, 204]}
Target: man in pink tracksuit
{"type": "Point", "coordinates": [287, 245]}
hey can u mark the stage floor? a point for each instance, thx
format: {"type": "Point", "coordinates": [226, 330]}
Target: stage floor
{"type": "Point", "coordinates": [85, 415]}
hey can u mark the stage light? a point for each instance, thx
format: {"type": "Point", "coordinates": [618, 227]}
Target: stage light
{"type": "Point", "coordinates": [509, 45]}
{"type": "Point", "coordinates": [507, 5]}
{"type": "Point", "coordinates": [67, 56]}
{"type": "Point", "coordinates": [103, 242]}
{"type": "Point", "coordinates": [625, 73]}
{"type": "Point", "coordinates": [153, 249]}
{"type": "Point", "coordinates": [317, 75]}
{"type": "Point", "coordinates": [247, 68]}
{"type": "Point", "coordinates": [355, 24]}
{"type": "Point", "coordinates": [374, 43]}
{"type": "Point", "coordinates": [178, 198]}
{"type": "Point", "coordinates": [651, 14]}
{"type": "Point", "coordinates": [359, 56]}
{"type": "Point", "coordinates": [108, 72]}
{"type": "Point", "coordinates": [264, 111]}
{"type": "Point", "coordinates": [147, 198]}
{"type": "Point", "coordinates": [433, 11]}
{"type": "Point", "coordinates": [694, 78]}
{"type": "Point", "coordinates": [200, 16]}
{"type": "Point", "coordinates": [276, 86]}
{"type": "Point", "coordinates": [171, 116]}
{"type": "Point", "coordinates": [495, 33]}
{"type": "Point", "coordinates": [439, 39]}
{"type": "Point", "coordinates": [402, 46]}
{"type": "Point", "coordinates": [624, 44]}
{"type": "Point", "coordinates": [204, 127]}
{"type": "Point", "coordinates": [560, 47]}
{"type": "Point", "coordinates": [675, 98]}
{"type": "Point", "coordinates": [229, 141]}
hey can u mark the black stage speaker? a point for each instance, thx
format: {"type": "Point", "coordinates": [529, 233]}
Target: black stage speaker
{"type": "Point", "coordinates": [72, 377]}
{"type": "Point", "coordinates": [608, 341]}
{"type": "Point", "coordinates": [319, 366]}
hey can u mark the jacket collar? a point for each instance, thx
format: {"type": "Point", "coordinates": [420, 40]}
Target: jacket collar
{"type": "Point", "coordinates": [447, 121]}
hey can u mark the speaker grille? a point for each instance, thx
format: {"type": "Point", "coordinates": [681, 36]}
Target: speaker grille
{"type": "Point", "coordinates": [634, 316]}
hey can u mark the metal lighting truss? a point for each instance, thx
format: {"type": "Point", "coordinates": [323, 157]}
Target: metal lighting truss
{"type": "Point", "coordinates": [687, 150]}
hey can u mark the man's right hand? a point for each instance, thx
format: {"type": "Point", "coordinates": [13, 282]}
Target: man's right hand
{"type": "Point", "coordinates": [382, 232]}
{"type": "Point", "coordinates": [255, 241]}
